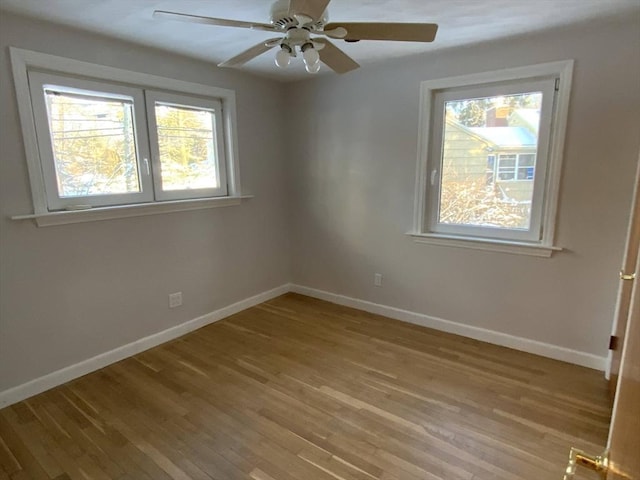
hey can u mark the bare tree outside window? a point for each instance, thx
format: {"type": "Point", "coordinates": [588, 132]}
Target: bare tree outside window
{"type": "Point", "coordinates": [93, 145]}
{"type": "Point", "coordinates": [187, 149]}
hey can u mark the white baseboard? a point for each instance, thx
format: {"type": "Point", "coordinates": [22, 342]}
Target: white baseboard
{"type": "Point", "coordinates": [497, 338]}
{"type": "Point", "coordinates": [46, 382]}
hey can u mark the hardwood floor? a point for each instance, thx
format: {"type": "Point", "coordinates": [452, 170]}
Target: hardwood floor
{"type": "Point", "coordinates": [297, 388]}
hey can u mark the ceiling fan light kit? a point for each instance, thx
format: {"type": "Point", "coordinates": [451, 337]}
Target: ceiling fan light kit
{"type": "Point", "coordinates": [314, 68]}
{"type": "Point", "coordinates": [311, 57]}
{"type": "Point", "coordinates": [283, 57]}
{"type": "Point", "coordinates": [296, 21]}
{"type": "Point", "coordinates": [298, 40]}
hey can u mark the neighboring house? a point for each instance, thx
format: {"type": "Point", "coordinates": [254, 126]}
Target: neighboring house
{"type": "Point", "coordinates": [501, 154]}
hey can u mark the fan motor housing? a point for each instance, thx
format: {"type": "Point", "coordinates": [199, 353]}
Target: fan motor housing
{"type": "Point", "coordinates": [283, 19]}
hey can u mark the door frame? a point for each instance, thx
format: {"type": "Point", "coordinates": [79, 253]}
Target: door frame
{"type": "Point", "coordinates": [623, 298]}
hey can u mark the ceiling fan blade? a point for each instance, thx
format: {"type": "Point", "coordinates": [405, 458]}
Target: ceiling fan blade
{"type": "Point", "coordinates": [311, 8]}
{"type": "Point", "coordinates": [221, 22]}
{"type": "Point", "coordinates": [250, 53]}
{"type": "Point", "coordinates": [402, 32]}
{"type": "Point", "coordinates": [334, 58]}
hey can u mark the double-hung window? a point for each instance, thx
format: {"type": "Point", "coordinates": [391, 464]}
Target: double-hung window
{"type": "Point", "coordinates": [489, 162]}
{"type": "Point", "coordinates": [99, 139]}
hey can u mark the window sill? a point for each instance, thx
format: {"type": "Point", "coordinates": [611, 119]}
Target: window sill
{"type": "Point", "coordinates": [123, 211]}
{"type": "Point", "coordinates": [504, 246]}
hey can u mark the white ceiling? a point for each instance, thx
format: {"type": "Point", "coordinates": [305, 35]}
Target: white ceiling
{"type": "Point", "coordinates": [462, 22]}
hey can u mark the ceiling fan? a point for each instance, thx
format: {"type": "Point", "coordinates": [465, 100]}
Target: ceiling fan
{"type": "Point", "coordinates": [301, 25]}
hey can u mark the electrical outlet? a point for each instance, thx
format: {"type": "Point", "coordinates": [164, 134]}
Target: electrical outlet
{"type": "Point", "coordinates": [175, 299]}
{"type": "Point", "coordinates": [377, 279]}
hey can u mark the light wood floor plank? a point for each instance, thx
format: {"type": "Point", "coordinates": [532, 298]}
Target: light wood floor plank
{"type": "Point", "coordinates": [300, 389]}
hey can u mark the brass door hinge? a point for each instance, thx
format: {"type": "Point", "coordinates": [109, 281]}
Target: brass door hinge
{"type": "Point", "coordinates": [627, 276]}
{"type": "Point", "coordinates": [614, 341]}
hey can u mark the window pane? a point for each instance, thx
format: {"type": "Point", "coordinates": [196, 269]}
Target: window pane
{"type": "Point", "coordinates": [507, 161]}
{"type": "Point", "coordinates": [476, 190]}
{"type": "Point", "coordinates": [506, 173]}
{"type": "Point", "coordinates": [93, 144]}
{"type": "Point", "coordinates": [526, 160]}
{"type": "Point", "coordinates": [187, 148]}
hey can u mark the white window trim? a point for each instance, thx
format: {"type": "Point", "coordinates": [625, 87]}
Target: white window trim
{"type": "Point", "coordinates": [488, 244]}
{"type": "Point", "coordinates": [64, 217]}
{"type": "Point", "coordinates": [563, 70]}
{"type": "Point", "coordinates": [434, 162]}
{"type": "Point", "coordinates": [24, 60]}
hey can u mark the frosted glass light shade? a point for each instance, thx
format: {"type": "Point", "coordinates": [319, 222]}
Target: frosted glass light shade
{"type": "Point", "coordinates": [310, 56]}
{"type": "Point", "coordinates": [283, 57]}
{"type": "Point", "coordinates": [315, 68]}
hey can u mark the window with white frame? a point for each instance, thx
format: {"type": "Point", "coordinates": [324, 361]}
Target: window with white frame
{"type": "Point", "coordinates": [489, 163]}
{"type": "Point", "coordinates": [514, 166]}
{"type": "Point", "coordinates": [99, 138]}
{"type": "Point", "coordinates": [186, 146]}
{"type": "Point", "coordinates": [105, 144]}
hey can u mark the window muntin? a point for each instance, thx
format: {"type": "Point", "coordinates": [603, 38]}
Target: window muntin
{"type": "Point", "coordinates": [187, 146]}
{"type": "Point", "coordinates": [105, 144]}
{"type": "Point", "coordinates": [487, 179]}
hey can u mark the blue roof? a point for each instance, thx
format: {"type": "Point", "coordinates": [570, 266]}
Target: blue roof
{"type": "Point", "coordinates": [506, 136]}
{"type": "Point", "coordinates": [530, 117]}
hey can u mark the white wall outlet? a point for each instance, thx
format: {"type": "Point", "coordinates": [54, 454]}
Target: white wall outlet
{"type": "Point", "coordinates": [175, 299]}
{"type": "Point", "coordinates": [377, 279]}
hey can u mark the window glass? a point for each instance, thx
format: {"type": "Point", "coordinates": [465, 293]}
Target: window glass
{"type": "Point", "coordinates": [476, 190]}
{"type": "Point", "coordinates": [491, 169]}
{"type": "Point", "coordinates": [526, 166]}
{"type": "Point", "coordinates": [186, 139]}
{"type": "Point", "coordinates": [490, 158]}
{"type": "Point", "coordinates": [506, 167]}
{"type": "Point", "coordinates": [93, 144]}
{"type": "Point", "coordinates": [96, 138]}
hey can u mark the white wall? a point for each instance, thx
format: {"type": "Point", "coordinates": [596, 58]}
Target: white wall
{"type": "Point", "coordinates": [352, 172]}
{"type": "Point", "coordinates": [337, 215]}
{"type": "Point", "coordinates": [74, 291]}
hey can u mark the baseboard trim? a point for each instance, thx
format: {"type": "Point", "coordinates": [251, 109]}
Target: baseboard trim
{"type": "Point", "coordinates": [490, 336]}
{"type": "Point", "coordinates": [51, 380]}
{"type": "Point", "coordinates": [54, 379]}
